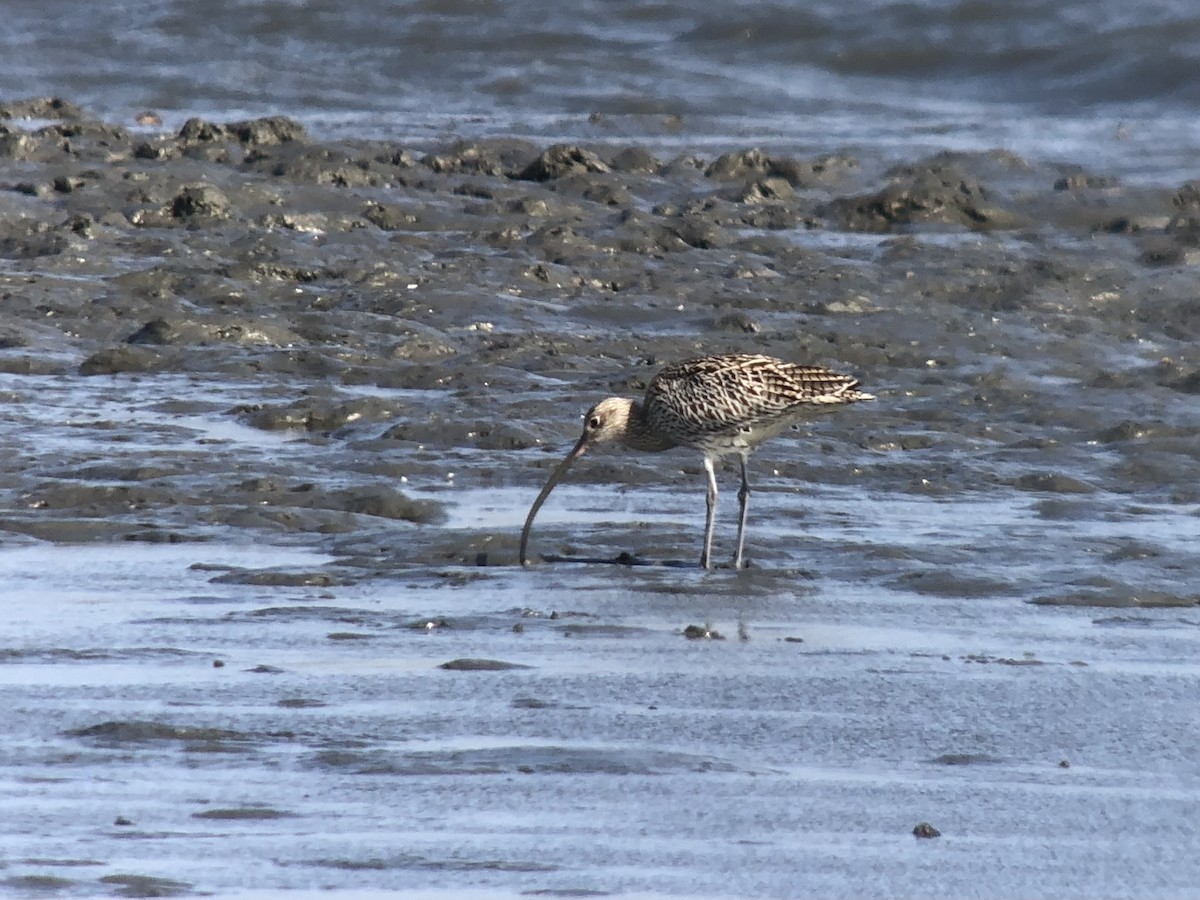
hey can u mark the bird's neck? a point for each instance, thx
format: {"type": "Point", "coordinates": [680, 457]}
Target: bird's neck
{"type": "Point", "coordinates": [640, 436]}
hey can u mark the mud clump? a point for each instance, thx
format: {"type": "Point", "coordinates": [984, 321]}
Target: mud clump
{"type": "Point", "coordinates": [480, 665]}
{"type": "Point", "coordinates": [122, 359]}
{"type": "Point", "coordinates": [940, 195]}
{"type": "Point", "coordinates": [242, 814]}
{"type": "Point", "coordinates": [146, 886]}
{"type": "Point", "coordinates": [141, 732]}
{"type": "Point", "coordinates": [560, 161]}
{"type": "Point", "coordinates": [200, 201]}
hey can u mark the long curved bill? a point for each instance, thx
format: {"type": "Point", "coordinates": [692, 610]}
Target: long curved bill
{"type": "Point", "coordinates": [555, 477]}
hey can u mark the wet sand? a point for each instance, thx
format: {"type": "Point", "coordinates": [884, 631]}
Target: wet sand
{"type": "Point", "coordinates": [277, 408]}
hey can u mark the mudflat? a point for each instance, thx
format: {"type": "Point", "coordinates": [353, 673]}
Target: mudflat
{"type": "Point", "coordinates": [276, 408]}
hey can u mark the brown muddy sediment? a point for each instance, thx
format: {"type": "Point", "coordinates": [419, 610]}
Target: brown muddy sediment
{"type": "Point", "coordinates": [417, 318]}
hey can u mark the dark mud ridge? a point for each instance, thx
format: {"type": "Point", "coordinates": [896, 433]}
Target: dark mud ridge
{"type": "Point", "coordinates": [418, 322]}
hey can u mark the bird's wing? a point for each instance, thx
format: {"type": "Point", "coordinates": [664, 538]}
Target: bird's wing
{"type": "Point", "coordinates": [718, 393]}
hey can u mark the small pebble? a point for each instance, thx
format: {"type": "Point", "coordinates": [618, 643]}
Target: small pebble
{"type": "Point", "coordinates": [925, 830]}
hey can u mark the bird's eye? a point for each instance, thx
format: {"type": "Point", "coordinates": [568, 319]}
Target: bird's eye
{"type": "Point", "coordinates": [594, 422]}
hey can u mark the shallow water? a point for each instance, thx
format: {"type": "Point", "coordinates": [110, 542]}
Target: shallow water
{"type": "Point", "coordinates": [831, 720]}
{"type": "Point", "coordinates": [1070, 82]}
{"type": "Point", "coordinates": [878, 668]}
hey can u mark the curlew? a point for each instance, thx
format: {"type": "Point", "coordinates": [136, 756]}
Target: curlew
{"type": "Point", "coordinates": [719, 405]}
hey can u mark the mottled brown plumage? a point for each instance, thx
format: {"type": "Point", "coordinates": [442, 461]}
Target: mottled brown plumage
{"type": "Point", "coordinates": [719, 405]}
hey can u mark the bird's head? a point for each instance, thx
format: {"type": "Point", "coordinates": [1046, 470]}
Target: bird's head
{"type": "Point", "coordinates": [604, 423]}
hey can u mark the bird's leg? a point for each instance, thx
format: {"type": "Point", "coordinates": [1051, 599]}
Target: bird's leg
{"type": "Point", "coordinates": [706, 556]}
{"type": "Point", "coordinates": [744, 500]}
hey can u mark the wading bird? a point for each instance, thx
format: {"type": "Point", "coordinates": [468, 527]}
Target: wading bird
{"type": "Point", "coordinates": [720, 405]}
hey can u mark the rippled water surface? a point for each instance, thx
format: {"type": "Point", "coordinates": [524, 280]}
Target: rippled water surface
{"type": "Point", "coordinates": [1098, 78]}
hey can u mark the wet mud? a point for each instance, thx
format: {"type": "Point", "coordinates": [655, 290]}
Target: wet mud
{"type": "Point", "coordinates": [276, 408]}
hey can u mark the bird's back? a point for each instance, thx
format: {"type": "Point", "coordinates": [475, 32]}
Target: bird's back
{"type": "Point", "coordinates": [726, 403]}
